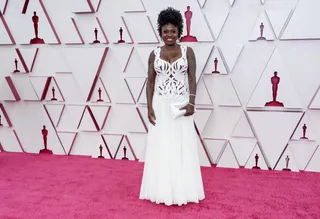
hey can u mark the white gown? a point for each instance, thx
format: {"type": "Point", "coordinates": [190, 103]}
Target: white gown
{"type": "Point", "coordinates": [171, 172]}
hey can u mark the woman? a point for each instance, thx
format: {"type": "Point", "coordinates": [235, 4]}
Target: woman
{"type": "Point", "coordinates": [172, 171]}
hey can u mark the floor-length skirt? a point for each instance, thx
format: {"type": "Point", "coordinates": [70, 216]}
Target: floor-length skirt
{"type": "Point", "coordinates": [171, 172]}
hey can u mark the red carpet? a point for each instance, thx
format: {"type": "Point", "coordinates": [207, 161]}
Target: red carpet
{"type": "Point", "coordinates": [49, 187]}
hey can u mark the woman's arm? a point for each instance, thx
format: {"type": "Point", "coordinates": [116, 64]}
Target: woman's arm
{"type": "Point", "coordinates": [192, 75]}
{"type": "Point", "coordinates": [150, 88]}
{"type": "Point", "coordinates": [192, 82]}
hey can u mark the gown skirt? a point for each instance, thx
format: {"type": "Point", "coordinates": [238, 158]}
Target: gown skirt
{"type": "Point", "coordinates": [171, 172]}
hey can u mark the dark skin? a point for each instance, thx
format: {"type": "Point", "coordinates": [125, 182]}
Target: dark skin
{"type": "Point", "coordinates": [170, 52]}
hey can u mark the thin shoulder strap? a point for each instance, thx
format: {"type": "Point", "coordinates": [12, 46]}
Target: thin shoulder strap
{"type": "Point", "coordinates": [157, 51]}
{"type": "Point", "coordinates": [184, 50]}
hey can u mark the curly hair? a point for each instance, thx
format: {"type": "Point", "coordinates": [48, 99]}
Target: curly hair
{"type": "Point", "coordinates": [170, 16]}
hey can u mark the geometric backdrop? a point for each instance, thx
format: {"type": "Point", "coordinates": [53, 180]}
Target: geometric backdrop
{"type": "Point", "coordinates": [258, 79]}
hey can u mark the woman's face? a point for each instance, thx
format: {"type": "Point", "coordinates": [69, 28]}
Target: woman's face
{"type": "Point", "coordinates": [169, 34]}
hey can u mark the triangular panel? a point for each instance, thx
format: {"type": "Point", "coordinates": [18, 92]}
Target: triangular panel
{"type": "Point", "coordinates": [302, 152]}
{"type": "Point", "coordinates": [262, 30]}
{"type": "Point", "coordinates": [16, 20]}
{"type": "Point", "coordinates": [248, 71]}
{"type": "Point", "coordinates": [136, 85]}
{"type": "Point", "coordinates": [100, 94]}
{"type": "Point", "coordinates": [70, 118]}
{"type": "Point", "coordinates": [273, 130]}
{"type": "Point", "coordinates": [202, 96]}
{"type": "Point", "coordinates": [5, 121]}
{"type": "Point", "coordinates": [39, 85]}
{"type": "Point", "coordinates": [125, 151]}
{"type": "Point", "coordinates": [278, 19]}
{"type": "Point", "coordinates": [287, 161]}
{"type": "Point", "coordinates": [113, 142]}
{"type": "Point", "coordinates": [86, 65]}
{"type": "Point", "coordinates": [243, 148]}
{"type": "Point", "coordinates": [216, 21]}
{"type": "Point", "coordinates": [222, 122]}
{"type": "Point", "coordinates": [315, 102]}
{"type": "Point", "coordinates": [87, 144]}
{"type": "Point", "coordinates": [24, 87]}
{"type": "Point", "coordinates": [243, 128]}
{"type": "Point", "coordinates": [138, 142]}
{"type": "Point", "coordinates": [304, 130]}
{"type": "Point", "coordinates": [100, 114]}
{"type": "Point", "coordinates": [5, 33]}
{"type": "Point", "coordinates": [53, 93]}
{"type": "Point", "coordinates": [221, 90]}
{"type": "Point", "coordinates": [203, 157]}
{"type": "Point", "coordinates": [9, 140]}
{"type": "Point", "coordinates": [300, 24]}
{"type": "Point", "coordinates": [134, 67]}
{"type": "Point", "coordinates": [121, 55]}
{"type": "Point", "coordinates": [27, 57]}
{"type": "Point", "coordinates": [314, 164]}
{"type": "Point", "coordinates": [149, 34]}
{"type": "Point", "coordinates": [144, 53]}
{"type": "Point", "coordinates": [256, 159]}
{"type": "Point", "coordinates": [123, 119]}
{"type": "Point", "coordinates": [202, 52]}
{"type": "Point", "coordinates": [67, 139]}
{"type": "Point", "coordinates": [275, 73]}
{"type": "Point", "coordinates": [215, 148]}
{"type": "Point", "coordinates": [228, 159]}
{"type": "Point", "coordinates": [215, 64]}
{"type": "Point", "coordinates": [6, 92]}
{"type": "Point", "coordinates": [91, 30]}
{"type": "Point", "coordinates": [55, 112]}
{"type": "Point", "coordinates": [231, 53]}
{"type": "Point", "coordinates": [201, 118]}
{"type": "Point", "coordinates": [70, 88]}
{"type": "Point", "coordinates": [96, 4]}
{"type": "Point", "coordinates": [101, 150]}
{"type": "Point", "coordinates": [134, 6]}
{"type": "Point", "coordinates": [88, 121]}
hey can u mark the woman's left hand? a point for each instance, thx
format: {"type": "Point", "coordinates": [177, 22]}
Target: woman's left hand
{"type": "Point", "coordinates": [189, 110]}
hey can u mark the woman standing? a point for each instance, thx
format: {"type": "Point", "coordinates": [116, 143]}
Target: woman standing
{"type": "Point", "coordinates": [172, 170]}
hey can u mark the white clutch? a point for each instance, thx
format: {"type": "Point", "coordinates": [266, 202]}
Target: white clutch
{"type": "Point", "coordinates": [175, 109]}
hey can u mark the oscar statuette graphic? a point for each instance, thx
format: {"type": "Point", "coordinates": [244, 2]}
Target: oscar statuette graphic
{"type": "Point", "coordinates": [35, 20]}
{"type": "Point", "coordinates": [125, 153]}
{"type": "Point", "coordinates": [100, 148]}
{"type": "Point", "coordinates": [216, 67]}
{"type": "Point", "coordinates": [275, 80]}
{"type": "Point", "coordinates": [53, 95]}
{"type": "Point", "coordinates": [188, 38]}
{"type": "Point", "coordinates": [121, 32]}
{"type": "Point", "coordinates": [44, 133]}
{"type": "Point", "coordinates": [261, 32]}
{"type": "Point", "coordinates": [287, 164]}
{"type": "Point", "coordinates": [257, 160]}
{"type": "Point", "coordinates": [99, 91]}
{"type": "Point", "coordinates": [96, 36]}
{"type": "Point", "coordinates": [304, 130]}
{"type": "Point", "coordinates": [16, 65]}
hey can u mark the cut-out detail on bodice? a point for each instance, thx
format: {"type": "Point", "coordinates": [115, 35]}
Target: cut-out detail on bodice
{"type": "Point", "coordinates": [171, 79]}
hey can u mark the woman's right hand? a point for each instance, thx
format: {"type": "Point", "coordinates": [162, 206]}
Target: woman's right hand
{"type": "Point", "coordinates": [151, 116]}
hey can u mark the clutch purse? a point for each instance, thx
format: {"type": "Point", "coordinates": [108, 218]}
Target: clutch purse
{"type": "Point", "coordinates": [175, 109]}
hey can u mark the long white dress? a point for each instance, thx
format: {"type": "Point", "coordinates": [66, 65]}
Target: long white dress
{"type": "Point", "coordinates": [171, 172]}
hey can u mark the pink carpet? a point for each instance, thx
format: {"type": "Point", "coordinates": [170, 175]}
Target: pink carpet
{"type": "Point", "coordinates": [49, 187]}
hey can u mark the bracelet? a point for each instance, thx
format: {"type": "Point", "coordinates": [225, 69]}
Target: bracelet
{"type": "Point", "coordinates": [192, 95]}
{"type": "Point", "coordinates": [191, 104]}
